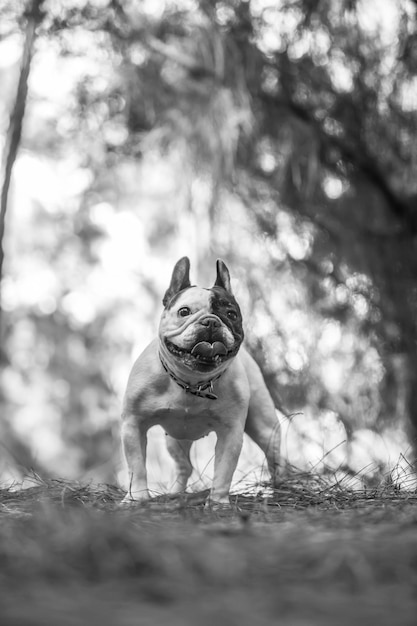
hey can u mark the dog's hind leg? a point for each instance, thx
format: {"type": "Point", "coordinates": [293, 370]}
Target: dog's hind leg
{"type": "Point", "coordinates": [179, 449]}
{"type": "Point", "coordinates": [262, 423]}
{"type": "Point", "coordinates": [263, 427]}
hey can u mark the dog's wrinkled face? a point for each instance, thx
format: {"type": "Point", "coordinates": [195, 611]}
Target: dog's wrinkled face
{"type": "Point", "coordinates": [200, 329]}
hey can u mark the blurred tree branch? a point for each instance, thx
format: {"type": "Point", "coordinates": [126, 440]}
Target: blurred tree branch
{"type": "Point", "coordinates": [33, 16]}
{"type": "Point", "coordinates": [353, 153]}
{"type": "Point", "coordinates": [358, 157]}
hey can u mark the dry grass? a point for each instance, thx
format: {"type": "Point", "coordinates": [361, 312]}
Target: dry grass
{"type": "Point", "coordinates": [311, 552]}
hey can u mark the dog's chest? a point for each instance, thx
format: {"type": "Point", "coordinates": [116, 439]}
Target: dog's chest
{"type": "Point", "coordinates": [187, 426]}
{"type": "Point", "coordinates": [187, 417]}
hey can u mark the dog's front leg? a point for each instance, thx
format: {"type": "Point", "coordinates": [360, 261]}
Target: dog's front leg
{"type": "Point", "coordinates": [134, 440]}
{"type": "Point", "coordinates": [228, 448]}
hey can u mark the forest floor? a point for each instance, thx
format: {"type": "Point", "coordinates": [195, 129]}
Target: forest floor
{"type": "Point", "coordinates": [311, 552]}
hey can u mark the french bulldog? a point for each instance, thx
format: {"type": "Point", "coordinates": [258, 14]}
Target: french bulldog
{"type": "Point", "coordinates": [196, 378]}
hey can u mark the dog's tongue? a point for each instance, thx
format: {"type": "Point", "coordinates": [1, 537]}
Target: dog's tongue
{"type": "Point", "coordinates": [206, 349]}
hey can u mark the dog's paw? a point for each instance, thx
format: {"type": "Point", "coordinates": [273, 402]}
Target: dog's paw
{"type": "Point", "coordinates": [217, 505]}
{"type": "Point", "coordinates": [134, 499]}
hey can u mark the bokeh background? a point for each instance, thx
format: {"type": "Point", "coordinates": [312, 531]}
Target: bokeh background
{"type": "Point", "coordinates": [277, 135]}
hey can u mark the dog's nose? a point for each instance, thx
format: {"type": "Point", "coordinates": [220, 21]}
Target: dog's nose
{"type": "Point", "coordinates": [210, 322]}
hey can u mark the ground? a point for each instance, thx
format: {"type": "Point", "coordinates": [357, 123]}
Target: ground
{"type": "Point", "coordinates": [308, 553]}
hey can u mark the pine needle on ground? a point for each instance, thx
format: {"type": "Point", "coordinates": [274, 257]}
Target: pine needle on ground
{"type": "Point", "coordinates": [312, 551]}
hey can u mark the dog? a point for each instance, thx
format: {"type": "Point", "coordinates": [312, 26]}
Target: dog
{"type": "Point", "coordinates": [196, 377]}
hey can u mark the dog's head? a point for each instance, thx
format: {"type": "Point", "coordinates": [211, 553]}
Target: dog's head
{"type": "Point", "coordinates": [200, 329]}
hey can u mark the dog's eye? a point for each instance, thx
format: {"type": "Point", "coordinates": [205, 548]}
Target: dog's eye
{"type": "Point", "coordinates": [232, 315]}
{"type": "Point", "coordinates": [184, 311]}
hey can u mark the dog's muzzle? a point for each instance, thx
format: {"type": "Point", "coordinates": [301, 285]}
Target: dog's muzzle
{"type": "Point", "coordinates": [203, 353]}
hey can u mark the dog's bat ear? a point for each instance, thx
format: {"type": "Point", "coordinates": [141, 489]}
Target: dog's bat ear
{"type": "Point", "coordinates": [223, 276]}
{"type": "Point", "coordinates": [180, 279]}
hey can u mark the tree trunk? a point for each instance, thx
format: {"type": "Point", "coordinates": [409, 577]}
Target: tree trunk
{"type": "Point", "coordinates": [411, 402]}
{"type": "Point", "coordinates": [33, 17]}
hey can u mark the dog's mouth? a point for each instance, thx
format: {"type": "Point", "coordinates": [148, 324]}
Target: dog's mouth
{"type": "Point", "coordinates": [203, 355]}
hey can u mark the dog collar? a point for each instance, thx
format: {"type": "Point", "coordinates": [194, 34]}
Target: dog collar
{"type": "Point", "coordinates": [203, 389]}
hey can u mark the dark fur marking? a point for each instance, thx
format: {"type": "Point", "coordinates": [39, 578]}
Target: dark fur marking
{"type": "Point", "coordinates": [221, 303]}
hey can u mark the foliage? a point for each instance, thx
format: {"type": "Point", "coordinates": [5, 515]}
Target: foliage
{"type": "Point", "coordinates": [278, 135]}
